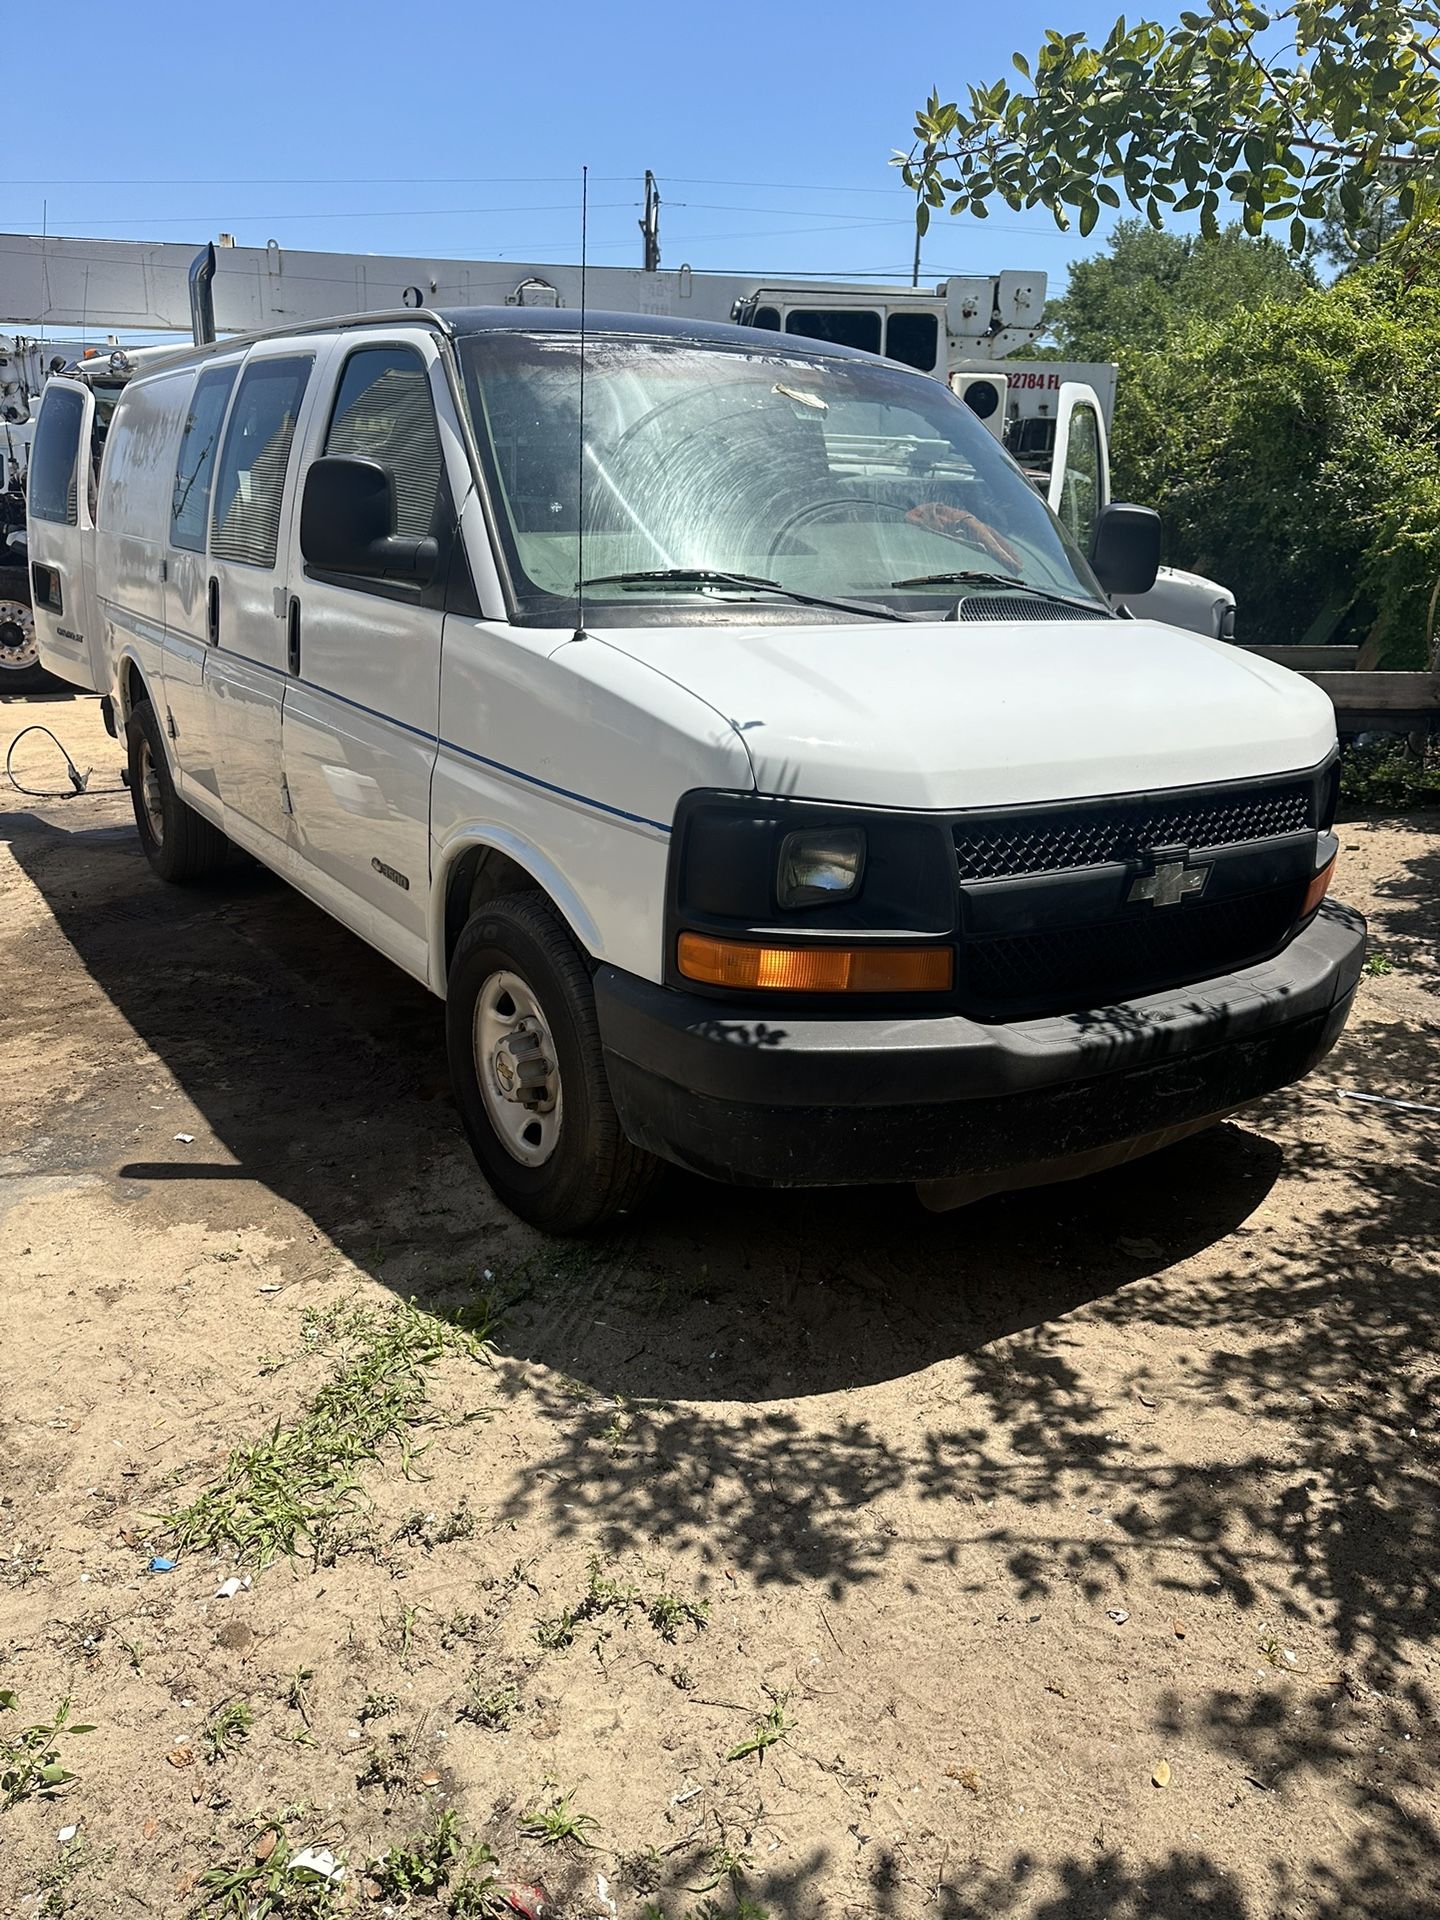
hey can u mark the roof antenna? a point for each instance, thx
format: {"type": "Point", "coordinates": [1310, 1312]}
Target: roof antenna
{"type": "Point", "coordinates": [580, 489]}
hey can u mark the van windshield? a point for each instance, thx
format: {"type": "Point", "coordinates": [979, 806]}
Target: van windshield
{"type": "Point", "coordinates": [846, 483]}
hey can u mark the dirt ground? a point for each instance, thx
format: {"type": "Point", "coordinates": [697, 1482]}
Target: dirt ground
{"type": "Point", "coordinates": [983, 1521]}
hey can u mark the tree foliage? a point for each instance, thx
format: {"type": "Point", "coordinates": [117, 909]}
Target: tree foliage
{"type": "Point", "coordinates": [1282, 111]}
{"type": "Point", "coordinates": [1149, 285]}
{"type": "Point", "coordinates": [1293, 449]}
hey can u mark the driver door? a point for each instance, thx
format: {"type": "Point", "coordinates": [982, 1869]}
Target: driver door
{"type": "Point", "coordinates": [1080, 472]}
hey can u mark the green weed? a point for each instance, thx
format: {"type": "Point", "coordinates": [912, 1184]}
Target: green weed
{"type": "Point", "coordinates": [558, 1822]}
{"type": "Point", "coordinates": [743, 1909]}
{"type": "Point", "coordinates": [1377, 963]}
{"type": "Point", "coordinates": [494, 1708]}
{"type": "Point", "coordinates": [53, 1887]}
{"type": "Point", "coordinates": [666, 1612]}
{"type": "Point", "coordinates": [256, 1889]}
{"type": "Point", "coordinates": [30, 1762]}
{"type": "Point", "coordinates": [773, 1725]}
{"type": "Point", "coordinates": [298, 1485]}
{"type": "Point", "coordinates": [228, 1730]}
{"type": "Point", "coordinates": [378, 1706]}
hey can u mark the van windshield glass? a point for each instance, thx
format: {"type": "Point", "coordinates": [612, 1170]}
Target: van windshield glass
{"type": "Point", "coordinates": [842, 479]}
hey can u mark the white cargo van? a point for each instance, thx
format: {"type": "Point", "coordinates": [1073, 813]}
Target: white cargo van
{"type": "Point", "coordinates": [727, 731]}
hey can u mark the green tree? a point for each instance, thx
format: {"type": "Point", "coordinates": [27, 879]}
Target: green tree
{"type": "Point", "coordinates": [1293, 449]}
{"type": "Point", "coordinates": [1279, 110]}
{"type": "Point", "coordinates": [1148, 285]}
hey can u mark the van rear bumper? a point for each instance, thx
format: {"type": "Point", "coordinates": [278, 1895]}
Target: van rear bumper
{"type": "Point", "coordinates": [752, 1095]}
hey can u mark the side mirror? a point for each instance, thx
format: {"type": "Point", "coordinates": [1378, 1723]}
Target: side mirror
{"type": "Point", "coordinates": [1125, 552]}
{"type": "Point", "coordinates": [347, 524]}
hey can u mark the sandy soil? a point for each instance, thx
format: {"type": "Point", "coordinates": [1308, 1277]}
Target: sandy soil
{"type": "Point", "coordinates": [1007, 1507]}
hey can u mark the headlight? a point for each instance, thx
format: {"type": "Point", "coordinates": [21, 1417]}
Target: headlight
{"type": "Point", "coordinates": [818, 868]}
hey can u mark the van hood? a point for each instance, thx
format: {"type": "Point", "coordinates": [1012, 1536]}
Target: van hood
{"type": "Point", "coordinates": [950, 715]}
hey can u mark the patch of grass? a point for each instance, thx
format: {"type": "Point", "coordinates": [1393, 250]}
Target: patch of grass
{"type": "Point", "coordinates": [774, 1724]}
{"type": "Point", "coordinates": [296, 1487]}
{"type": "Point", "coordinates": [558, 1822]}
{"type": "Point", "coordinates": [55, 1886]}
{"type": "Point", "coordinates": [1377, 963]}
{"type": "Point", "coordinates": [227, 1731]}
{"type": "Point", "coordinates": [30, 1762]}
{"type": "Point", "coordinates": [439, 1861]}
{"type": "Point", "coordinates": [666, 1612]}
{"type": "Point", "coordinates": [388, 1765]}
{"type": "Point", "coordinates": [297, 1694]}
{"type": "Point", "coordinates": [258, 1888]}
{"type": "Point", "coordinates": [379, 1706]}
{"type": "Point", "coordinates": [492, 1707]}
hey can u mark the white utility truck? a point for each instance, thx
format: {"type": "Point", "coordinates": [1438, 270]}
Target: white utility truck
{"type": "Point", "coordinates": [732, 737]}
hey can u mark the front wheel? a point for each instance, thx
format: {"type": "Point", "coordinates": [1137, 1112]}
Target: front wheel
{"type": "Point", "coordinates": [178, 843]}
{"type": "Point", "coordinates": [529, 1074]}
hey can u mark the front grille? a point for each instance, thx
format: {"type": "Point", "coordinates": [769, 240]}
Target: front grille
{"type": "Point", "coordinates": [1141, 952]}
{"type": "Point", "coordinates": [1023, 606]}
{"type": "Point", "coordinates": [1092, 833]}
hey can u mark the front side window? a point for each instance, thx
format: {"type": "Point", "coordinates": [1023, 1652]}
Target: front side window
{"type": "Point", "coordinates": [1080, 488]}
{"type": "Point", "coordinates": [52, 491]}
{"type": "Point", "coordinates": [250, 481]}
{"type": "Point", "coordinates": [824, 476]}
{"type": "Point", "coordinates": [195, 467]}
{"type": "Point", "coordinates": [384, 412]}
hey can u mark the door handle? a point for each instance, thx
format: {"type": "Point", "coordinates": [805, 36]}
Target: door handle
{"type": "Point", "coordinates": [212, 613]}
{"type": "Point", "coordinates": [293, 636]}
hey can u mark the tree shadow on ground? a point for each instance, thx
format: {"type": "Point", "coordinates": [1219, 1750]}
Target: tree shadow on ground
{"type": "Point", "coordinates": [683, 1365]}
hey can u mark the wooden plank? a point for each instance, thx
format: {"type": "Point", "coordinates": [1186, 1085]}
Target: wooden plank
{"type": "Point", "coordinates": [1308, 659]}
{"type": "Point", "coordinates": [1381, 692]}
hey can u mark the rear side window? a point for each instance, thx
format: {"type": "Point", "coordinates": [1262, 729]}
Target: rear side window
{"type": "Point", "coordinates": [195, 469]}
{"type": "Point", "coordinates": [852, 328]}
{"type": "Point", "coordinates": [52, 494]}
{"type": "Point", "coordinates": [913, 338]}
{"type": "Point", "coordinates": [384, 412]}
{"type": "Point", "coordinates": [250, 481]}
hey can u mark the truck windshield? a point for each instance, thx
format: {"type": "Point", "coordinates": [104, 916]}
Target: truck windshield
{"type": "Point", "coordinates": [845, 485]}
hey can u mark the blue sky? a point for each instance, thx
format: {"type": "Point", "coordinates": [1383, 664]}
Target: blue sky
{"type": "Point", "coordinates": [461, 131]}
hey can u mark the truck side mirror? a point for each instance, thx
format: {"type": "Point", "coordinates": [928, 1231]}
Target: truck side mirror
{"type": "Point", "coordinates": [347, 524]}
{"type": "Point", "coordinates": [1125, 553]}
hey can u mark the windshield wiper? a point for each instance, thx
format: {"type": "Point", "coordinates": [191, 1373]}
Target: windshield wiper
{"type": "Point", "coordinates": [995, 580]}
{"type": "Point", "coordinates": [701, 577]}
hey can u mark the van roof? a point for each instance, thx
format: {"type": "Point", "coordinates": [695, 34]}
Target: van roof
{"type": "Point", "coordinates": [458, 322]}
{"type": "Point", "coordinates": [466, 320]}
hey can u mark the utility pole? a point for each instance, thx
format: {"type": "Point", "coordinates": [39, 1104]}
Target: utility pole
{"type": "Point", "coordinates": [650, 224]}
{"type": "Point", "coordinates": [915, 268]}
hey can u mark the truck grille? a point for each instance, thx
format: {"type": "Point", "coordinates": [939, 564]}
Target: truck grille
{"type": "Point", "coordinates": [1090, 833]}
{"type": "Point", "coordinates": [1036, 941]}
{"type": "Point", "coordinates": [1117, 959]}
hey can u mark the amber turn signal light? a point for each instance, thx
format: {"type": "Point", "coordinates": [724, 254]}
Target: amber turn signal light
{"type": "Point", "coordinates": [1318, 888]}
{"type": "Point", "coordinates": [743, 963]}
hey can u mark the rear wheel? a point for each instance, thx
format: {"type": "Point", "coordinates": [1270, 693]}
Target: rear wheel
{"type": "Point", "coordinates": [178, 843]}
{"type": "Point", "coordinates": [529, 1075]}
{"type": "Point", "coordinates": [20, 668]}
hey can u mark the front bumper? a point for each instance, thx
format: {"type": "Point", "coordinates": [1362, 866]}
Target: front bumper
{"type": "Point", "coordinates": [753, 1096]}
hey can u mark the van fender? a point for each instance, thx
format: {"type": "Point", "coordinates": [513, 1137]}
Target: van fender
{"type": "Point", "coordinates": [489, 835]}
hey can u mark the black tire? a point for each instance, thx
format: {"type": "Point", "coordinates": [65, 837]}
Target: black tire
{"type": "Point", "coordinates": [593, 1172]}
{"type": "Point", "coordinates": [179, 844]}
{"type": "Point", "coordinates": [17, 637]}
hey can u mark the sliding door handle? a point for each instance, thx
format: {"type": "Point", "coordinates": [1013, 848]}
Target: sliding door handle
{"type": "Point", "coordinates": [212, 612]}
{"type": "Point", "coordinates": [293, 636]}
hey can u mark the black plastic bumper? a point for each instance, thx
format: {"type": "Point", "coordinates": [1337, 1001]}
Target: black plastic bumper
{"type": "Point", "coordinates": [752, 1096]}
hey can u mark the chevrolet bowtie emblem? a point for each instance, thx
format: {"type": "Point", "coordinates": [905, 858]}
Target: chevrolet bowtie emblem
{"type": "Point", "coordinates": [1170, 883]}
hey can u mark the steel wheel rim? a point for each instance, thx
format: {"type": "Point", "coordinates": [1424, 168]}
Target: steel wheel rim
{"type": "Point", "coordinates": [19, 647]}
{"type": "Point", "coordinates": [516, 1066]}
{"type": "Point", "coordinates": [151, 797]}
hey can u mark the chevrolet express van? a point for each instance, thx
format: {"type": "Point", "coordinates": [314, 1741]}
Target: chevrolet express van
{"type": "Point", "coordinates": [724, 728]}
